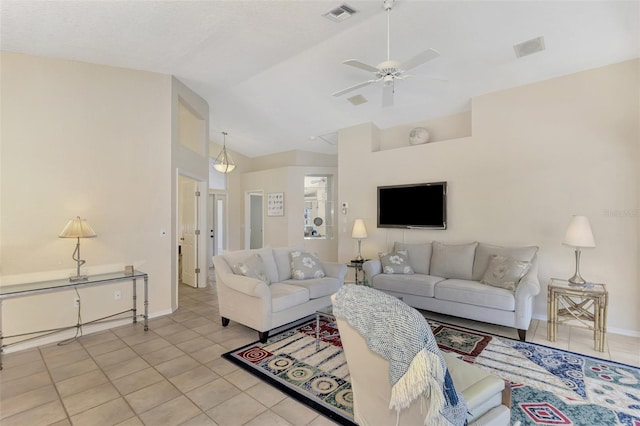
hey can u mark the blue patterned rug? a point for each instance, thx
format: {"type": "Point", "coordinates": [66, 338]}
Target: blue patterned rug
{"type": "Point", "coordinates": [549, 386]}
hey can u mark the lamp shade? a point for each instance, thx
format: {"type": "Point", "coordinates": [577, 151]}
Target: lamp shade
{"type": "Point", "coordinates": [579, 233]}
{"type": "Point", "coordinates": [77, 228]}
{"type": "Point", "coordinates": [359, 230]}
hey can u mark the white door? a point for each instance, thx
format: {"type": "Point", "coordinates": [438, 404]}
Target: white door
{"type": "Point", "coordinates": [188, 225]}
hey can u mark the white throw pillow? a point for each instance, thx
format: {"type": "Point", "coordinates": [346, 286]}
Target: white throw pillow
{"type": "Point", "coordinates": [253, 267]}
{"type": "Point", "coordinates": [453, 261]}
{"type": "Point", "coordinates": [395, 263]}
{"type": "Point", "coordinates": [305, 265]}
{"type": "Point", "coordinates": [419, 255]}
{"type": "Point", "coordinates": [504, 272]}
{"type": "Point", "coordinates": [484, 252]}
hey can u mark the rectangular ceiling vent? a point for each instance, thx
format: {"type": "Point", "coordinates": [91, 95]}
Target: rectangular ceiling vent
{"type": "Point", "coordinates": [340, 13]}
{"type": "Point", "coordinates": [357, 100]}
{"type": "Point", "coordinates": [529, 47]}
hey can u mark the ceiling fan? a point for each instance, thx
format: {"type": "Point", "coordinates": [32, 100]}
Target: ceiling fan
{"type": "Point", "coordinates": [388, 71]}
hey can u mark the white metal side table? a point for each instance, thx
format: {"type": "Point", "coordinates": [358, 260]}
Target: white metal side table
{"type": "Point", "coordinates": [586, 304]}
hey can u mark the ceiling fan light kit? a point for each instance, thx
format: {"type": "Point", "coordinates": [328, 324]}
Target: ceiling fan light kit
{"type": "Point", "coordinates": [388, 71]}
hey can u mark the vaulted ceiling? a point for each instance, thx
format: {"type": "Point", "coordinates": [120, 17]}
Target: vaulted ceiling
{"type": "Point", "coordinates": [268, 68]}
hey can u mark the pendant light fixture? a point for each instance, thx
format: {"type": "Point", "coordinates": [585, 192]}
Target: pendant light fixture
{"type": "Point", "coordinates": [224, 163]}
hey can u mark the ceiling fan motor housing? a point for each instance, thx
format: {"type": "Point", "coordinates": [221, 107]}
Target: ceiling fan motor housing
{"type": "Point", "coordinates": [388, 68]}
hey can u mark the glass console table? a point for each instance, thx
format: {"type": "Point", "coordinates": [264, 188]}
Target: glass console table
{"type": "Point", "coordinates": [31, 289]}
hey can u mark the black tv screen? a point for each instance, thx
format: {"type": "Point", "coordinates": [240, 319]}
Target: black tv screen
{"type": "Point", "coordinates": [421, 205]}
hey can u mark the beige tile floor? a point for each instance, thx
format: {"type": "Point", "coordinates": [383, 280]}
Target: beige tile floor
{"type": "Point", "coordinates": [174, 375]}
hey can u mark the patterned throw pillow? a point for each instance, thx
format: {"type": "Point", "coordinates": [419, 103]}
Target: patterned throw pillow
{"type": "Point", "coordinates": [395, 263]}
{"type": "Point", "coordinates": [305, 265]}
{"type": "Point", "coordinates": [504, 272]}
{"type": "Point", "coordinates": [252, 267]}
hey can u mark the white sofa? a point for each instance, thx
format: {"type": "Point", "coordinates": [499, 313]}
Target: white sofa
{"type": "Point", "coordinates": [447, 277]}
{"type": "Point", "coordinates": [263, 307]}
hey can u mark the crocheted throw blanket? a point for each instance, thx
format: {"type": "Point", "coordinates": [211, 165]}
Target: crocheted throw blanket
{"type": "Point", "coordinates": [401, 335]}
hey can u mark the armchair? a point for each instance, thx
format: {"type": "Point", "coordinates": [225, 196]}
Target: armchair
{"type": "Point", "coordinates": [487, 399]}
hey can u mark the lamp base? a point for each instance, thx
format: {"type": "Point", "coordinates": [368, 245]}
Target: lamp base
{"type": "Point", "coordinates": [78, 278]}
{"type": "Point", "coordinates": [576, 280]}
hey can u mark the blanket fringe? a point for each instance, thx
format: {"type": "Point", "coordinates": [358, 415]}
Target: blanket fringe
{"type": "Point", "coordinates": [424, 377]}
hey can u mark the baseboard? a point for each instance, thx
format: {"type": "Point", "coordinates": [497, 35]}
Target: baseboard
{"type": "Point", "coordinates": [68, 334]}
{"type": "Point", "coordinates": [612, 330]}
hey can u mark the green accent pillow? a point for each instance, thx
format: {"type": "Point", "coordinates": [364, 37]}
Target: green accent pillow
{"type": "Point", "coordinates": [252, 267]}
{"type": "Point", "coordinates": [305, 265]}
{"type": "Point", "coordinates": [504, 272]}
{"type": "Point", "coordinates": [396, 263]}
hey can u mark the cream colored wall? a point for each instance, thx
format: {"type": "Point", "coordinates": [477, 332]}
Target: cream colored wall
{"type": "Point", "coordinates": [88, 140]}
{"type": "Point", "coordinates": [440, 129]}
{"type": "Point", "coordinates": [288, 230]}
{"type": "Point", "coordinates": [190, 159]}
{"type": "Point", "coordinates": [537, 155]}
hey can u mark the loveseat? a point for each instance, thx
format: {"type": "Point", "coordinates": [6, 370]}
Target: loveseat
{"type": "Point", "coordinates": [477, 281]}
{"type": "Point", "coordinates": [260, 289]}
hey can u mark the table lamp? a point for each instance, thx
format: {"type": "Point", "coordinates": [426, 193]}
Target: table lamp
{"type": "Point", "coordinates": [77, 228]}
{"type": "Point", "coordinates": [359, 231]}
{"type": "Point", "coordinates": [578, 235]}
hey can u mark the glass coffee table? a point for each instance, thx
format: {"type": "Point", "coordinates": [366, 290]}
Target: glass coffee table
{"type": "Point", "coordinates": [326, 313]}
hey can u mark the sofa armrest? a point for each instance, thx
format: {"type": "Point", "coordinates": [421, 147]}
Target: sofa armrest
{"type": "Point", "coordinates": [335, 270]}
{"type": "Point", "coordinates": [247, 285]}
{"type": "Point", "coordinates": [528, 288]}
{"type": "Point", "coordinates": [529, 285]}
{"type": "Point", "coordinates": [372, 267]}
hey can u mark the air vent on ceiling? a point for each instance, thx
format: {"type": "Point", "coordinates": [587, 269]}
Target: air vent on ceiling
{"type": "Point", "coordinates": [330, 138]}
{"type": "Point", "coordinates": [340, 13]}
{"type": "Point", "coordinates": [357, 100]}
{"type": "Point", "coordinates": [529, 47]}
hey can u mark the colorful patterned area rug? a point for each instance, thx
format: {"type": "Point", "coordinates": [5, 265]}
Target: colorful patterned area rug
{"type": "Point", "coordinates": [549, 386]}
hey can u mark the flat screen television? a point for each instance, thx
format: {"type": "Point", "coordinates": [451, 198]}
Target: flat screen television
{"type": "Point", "coordinates": [419, 206]}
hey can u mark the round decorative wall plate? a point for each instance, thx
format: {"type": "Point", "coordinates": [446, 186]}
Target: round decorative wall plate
{"type": "Point", "coordinates": [418, 136]}
{"type": "Point", "coordinates": [317, 221]}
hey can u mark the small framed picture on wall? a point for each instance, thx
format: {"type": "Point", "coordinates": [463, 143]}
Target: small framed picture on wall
{"type": "Point", "coordinates": [275, 204]}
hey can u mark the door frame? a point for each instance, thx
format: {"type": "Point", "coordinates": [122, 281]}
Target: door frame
{"type": "Point", "coordinates": [203, 187]}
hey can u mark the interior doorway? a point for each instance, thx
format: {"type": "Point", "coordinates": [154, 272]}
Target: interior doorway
{"type": "Point", "coordinates": [189, 234]}
{"type": "Point", "coordinates": [254, 220]}
{"type": "Point", "coordinates": [217, 225]}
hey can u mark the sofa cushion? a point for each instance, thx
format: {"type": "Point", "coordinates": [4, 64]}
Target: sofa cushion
{"type": "Point", "coordinates": [285, 296]}
{"type": "Point", "coordinates": [283, 263]}
{"type": "Point", "coordinates": [317, 287]}
{"type": "Point", "coordinates": [305, 265]}
{"type": "Point", "coordinates": [485, 251]}
{"type": "Point", "coordinates": [417, 284]}
{"type": "Point", "coordinates": [395, 263]}
{"type": "Point", "coordinates": [504, 272]}
{"type": "Point", "coordinates": [266, 253]}
{"type": "Point", "coordinates": [474, 293]}
{"type": "Point", "coordinates": [419, 255]}
{"type": "Point", "coordinates": [253, 267]}
{"type": "Point", "coordinates": [452, 260]}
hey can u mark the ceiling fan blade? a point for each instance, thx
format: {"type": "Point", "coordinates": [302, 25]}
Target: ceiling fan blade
{"type": "Point", "coordinates": [387, 95]}
{"type": "Point", "coordinates": [360, 65]}
{"type": "Point", "coordinates": [357, 86]}
{"type": "Point", "coordinates": [429, 77]}
{"type": "Point", "coordinates": [419, 59]}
